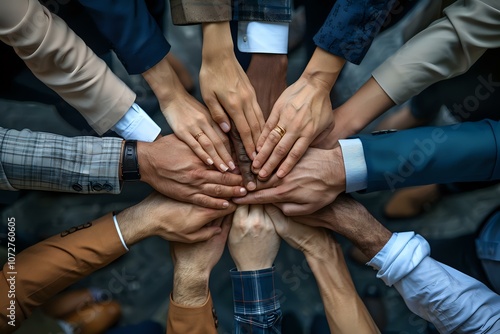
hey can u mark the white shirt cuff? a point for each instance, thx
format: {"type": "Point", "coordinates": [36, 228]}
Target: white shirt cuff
{"type": "Point", "coordinates": [263, 37]}
{"type": "Point", "coordinates": [356, 172]}
{"type": "Point", "coordinates": [119, 233]}
{"type": "Point", "coordinates": [137, 125]}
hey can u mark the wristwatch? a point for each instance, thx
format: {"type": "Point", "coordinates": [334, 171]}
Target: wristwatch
{"type": "Point", "coordinates": [130, 163]}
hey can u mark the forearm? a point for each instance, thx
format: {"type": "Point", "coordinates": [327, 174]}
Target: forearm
{"type": "Point", "coordinates": [451, 300]}
{"type": "Point", "coordinates": [57, 163]}
{"type": "Point", "coordinates": [445, 49]}
{"type": "Point", "coordinates": [62, 61]}
{"type": "Point", "coordinates": [190, 287]}
{"type": "Point", "coordinates": [422, 156]}
{"type": "Point", "coordinates": [164, 82]}
{"type": "Point", "coordinates": [369, 102]}
{"type": "Point", "coordinates": [323, 69]}
{"type": "Point", "coordinates": [351, 27]}
{"type": "Point", "coordinates": [266, 11]}
{"type": "Point", "coordinates": [344, 310]}
{"type": "Point", "coordinates": [131, 30]}
{"type": "Point", "coordinates": [50, 266]}
{"type": "Point", "coordinates": [217, 41]}
{"type": "Point", "coordinates": [191, 307]}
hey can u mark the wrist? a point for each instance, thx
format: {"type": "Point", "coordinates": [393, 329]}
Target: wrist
{"type": "Point", "coordinates": [254, 266]}
{"type": "Point", "coordinates": [190, 287]}
{"type": "Point", "coordinates": [337, 169]}
{"type": "Point", "coordinates": [132, 226]}
{"type": "Point", "coordinates": [322, 252]}
{"type": "Point", "coordinates": [323, 69]}
{"type": "Point", "coordinates": [217, 41]}
{"type": "Point", "coordinates": [143, 158]}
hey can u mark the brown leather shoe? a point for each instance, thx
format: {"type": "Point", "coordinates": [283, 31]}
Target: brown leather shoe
{"type": "Point", "coordinates": [95, 318]}
{"type": "Point", "coordinates": [67, 302]}
{"type": "Point", "coordinates": [411, 202]}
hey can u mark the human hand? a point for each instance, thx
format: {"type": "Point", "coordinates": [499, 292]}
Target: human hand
{"type": "Point", "coordinates": [170, 219]}
{"type": "Point", "coordinates": [189, 119]}
{"type": "Point", "coordinates": [312, 241]}
{"type": "Point", "coordinates": [253, 242]}
{"type": "Point", "coordinates": [193, 264]}
{"type": "Point", "coordinates": [171, 167]}
{"type": "Point", "coordinates": [225, 86]}
{"type": "Point", "coordinates": [301, 115]}
{"type": "Point", "coordinates": [315, 182]}
{"type": "Point", "coordinates": [267, 73]}
{"type": "Point", "coordinates": [344, 309]}
{"type": "Point", "coordinates": [350, 219]}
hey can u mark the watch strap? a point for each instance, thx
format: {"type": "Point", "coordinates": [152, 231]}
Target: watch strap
{"type": "Point", "coordinates": [130, 163]}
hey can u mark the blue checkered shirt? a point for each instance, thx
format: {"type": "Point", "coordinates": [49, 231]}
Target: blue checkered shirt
{"type": "Point", "coordinates": [256, 305]}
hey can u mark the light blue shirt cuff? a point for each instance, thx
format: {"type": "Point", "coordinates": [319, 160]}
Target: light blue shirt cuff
{"type": "Point", "coordinates": [263, 37]}
{"type": "Point", "coordinates": [137, 125]}
{"type": "Point", "coordinates": [356, 172]}
{"type": "Point", "coordinates": [402, 253]}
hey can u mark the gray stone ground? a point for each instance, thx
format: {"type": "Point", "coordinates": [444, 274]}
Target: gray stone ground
{"type": "Point", "coordinates": [142, 279]}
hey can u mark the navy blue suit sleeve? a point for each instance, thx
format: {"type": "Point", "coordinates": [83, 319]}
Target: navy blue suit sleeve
{"type": "Point", "coordinates": [351, 27]}
{"type": "Point", "coordinates": [464, 152]}
{"type": "Point", "coordinates": [131, 30]}
{"type": "Point", "coordinates": [262, 10]}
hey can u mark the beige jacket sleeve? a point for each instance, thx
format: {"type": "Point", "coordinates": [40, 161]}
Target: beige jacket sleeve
{"type": "Point", "coordinates": [61, 60]}
{"type": "Point", "coordinates": [447, 48]}
{"type": "Point", "coordinates": [197, 11]}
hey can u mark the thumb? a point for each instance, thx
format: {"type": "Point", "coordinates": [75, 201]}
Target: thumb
{"type": "Point", "coordinates": [277, 217]}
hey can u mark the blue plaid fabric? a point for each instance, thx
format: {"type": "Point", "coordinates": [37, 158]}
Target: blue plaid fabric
{"type": "Point", "coordinates": [262, 10]}
{"type": "Point", "coordinates": [256, 305]}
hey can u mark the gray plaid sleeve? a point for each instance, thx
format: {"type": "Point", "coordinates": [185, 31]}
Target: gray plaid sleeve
{"type": "Point", "coordinates": [45, 161]}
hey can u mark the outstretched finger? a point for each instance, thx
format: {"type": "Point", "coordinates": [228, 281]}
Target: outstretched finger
{"type": "Point", "coordinates": [218, 114]}
{"type": "Point", "coordinates": [295, 154]}
{"type": "Point", "coordinates": [280, 151]}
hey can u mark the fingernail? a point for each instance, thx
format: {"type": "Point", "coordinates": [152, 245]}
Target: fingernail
{"type": "Point", "coordinates": [254, 155]}
{"type": "Point", "coordinates": [224, 126]}
{"type": "Point", "coordinates": [210, 161]}
{"type": "Point", "coordinates": [232, 165]}
{"type": "Point", "coordinates": [251, 186]}
{"type": "Point", "coordinates": [225, 205]}
{"type": "Point", "coordinates": [243, 191]}
{"type": "Point", "coordinates": [223, 167]}
{"type": "Point", "coordinates": [256, 164]}
{"type": "Point", "coordinates": [262, 173]}
{"type": "Point", "coordinates": [281, 173]}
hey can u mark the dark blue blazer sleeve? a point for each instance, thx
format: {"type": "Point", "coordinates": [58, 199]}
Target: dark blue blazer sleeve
{"type": "Point", "coordinates": [351, 27]}
{"type": "Point", "coordinates": [131, 30]}
{"type": "Point", "coordinates": [463, 152]}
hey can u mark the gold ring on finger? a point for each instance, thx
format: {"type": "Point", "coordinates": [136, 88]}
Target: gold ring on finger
{"type": "Point", "coordinates": [198, 136]}
{"type": "Point", "coordinates": [280, 130]}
